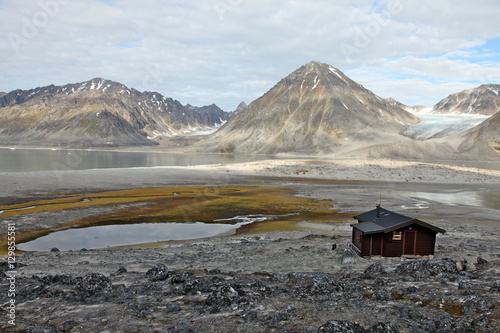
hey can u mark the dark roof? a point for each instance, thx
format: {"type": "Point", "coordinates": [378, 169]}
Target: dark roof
{"type": "Point", "coordinates": [383, 220]}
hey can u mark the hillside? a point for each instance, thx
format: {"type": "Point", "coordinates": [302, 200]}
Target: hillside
{"type": "Point", "coordinates": [486, 134]}
{"type": "Point", "coordinates": [98, 113]}
{"type": "Point", "coordinates": [315, 109]}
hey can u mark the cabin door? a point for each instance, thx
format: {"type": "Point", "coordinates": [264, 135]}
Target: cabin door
{"type": "Point", "coordinates": [377, 245]}
{"type": "Point", "coordinates": [410, 242]}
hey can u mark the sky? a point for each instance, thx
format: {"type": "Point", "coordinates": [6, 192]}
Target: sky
{"type": "Point", "coordinates": [227, 51]}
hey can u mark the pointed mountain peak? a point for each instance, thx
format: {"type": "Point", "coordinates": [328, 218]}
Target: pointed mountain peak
{"type": "Point", "coordinates": [318, 77]}
{"type": "Point", "coordinates": [241, 107]}
{"type": "Point", "coordinates": [316, 107]}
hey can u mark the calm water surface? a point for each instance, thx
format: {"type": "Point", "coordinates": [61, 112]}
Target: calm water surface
{"type": "Point", "coordinates": [140, 233]}
{"type": "Point", "coordinates": [23, 160]}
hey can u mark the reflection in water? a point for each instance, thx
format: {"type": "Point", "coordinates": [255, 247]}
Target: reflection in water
{"type": "Point", "coordinates": [486, 199]}
{"type": "Point", "coordinates": [480, 198]}
{"type": "Point", "coordinates": [124, 234]}
{"type": "Point", "coordinates": [127, 234]}
{"type": "Point", "coordinates": [22, 160]}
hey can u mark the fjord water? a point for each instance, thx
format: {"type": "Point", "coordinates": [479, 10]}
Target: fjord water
{"type": "Point", "coordinates": [24, 160]}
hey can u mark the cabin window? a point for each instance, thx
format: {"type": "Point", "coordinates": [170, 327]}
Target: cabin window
{"type": "Point", "coordinates": [397, 235]}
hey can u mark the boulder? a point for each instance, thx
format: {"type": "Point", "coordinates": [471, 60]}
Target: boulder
{"type": "Point", "coordinates": [94, 282]}
{"type": "Point", "coordinates": [374, 270]}
{"type": "Point", "coordinates": [348, 256]}
{"type": "Point", "coordinates": [158, 273]}
{"type": "Point", "coordinates": [428, 267]}
{"type": "Point", "coordinates": [382, 328]}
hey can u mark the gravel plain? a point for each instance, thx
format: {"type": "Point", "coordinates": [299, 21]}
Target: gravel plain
{"type": "Point", "coordinates": [281, 281]}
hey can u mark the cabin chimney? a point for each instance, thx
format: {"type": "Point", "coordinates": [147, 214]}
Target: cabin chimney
{"type": "Point", "coordinates": [378, 211]}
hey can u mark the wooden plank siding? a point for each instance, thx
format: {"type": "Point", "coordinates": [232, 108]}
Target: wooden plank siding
{"type": "Point", "coordinates": [393, 248]}
{"type": "Point", "coordinates": [380, 232]}
{"type": "Point", "coordinates": [383, 243]}
{"type": "Point", "coordinates": [366, 241]}
{"type": "Point", "coordinates": [426, 240]}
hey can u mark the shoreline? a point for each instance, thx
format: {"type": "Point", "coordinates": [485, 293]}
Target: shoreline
{"type": "Point", "coordinates": [429, 191]}
{"type": "Point", "coordinates": [279, 157]}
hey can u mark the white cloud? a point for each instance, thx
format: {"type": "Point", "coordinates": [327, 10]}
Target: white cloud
{"type": "Point", "coordinates": [226, 51]}
{"type": "Point", "coordinates": [446, 69]}
{"type": "Point", "coordinates": [406, 89]}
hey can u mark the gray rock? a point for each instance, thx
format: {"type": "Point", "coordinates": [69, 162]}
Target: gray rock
{"type": "Point", "coordinates": [338, 326]}
{"type": "Point", "coordinates": [382, 295]}
{"type": "Point", "coordinates": [94, 282]}
{"type": "Point", "coordinates": [382, 328]}
{"type": "Point", "coordinates": [374, 270]}
{"type": "Point", "coordinates": [470, 267]}
{"type": "Point", "coordinates": [158, 273]}
{"type": "Point", "coordinates": [44, 329]}
{"type": "Point", "coordinates": [428, 267]}
{"type": "Point", "coordinates": [481, 261]}
{"type": "Point", "coordinates": [348, 257]}
{"type": "Point", "coordinates": [495, 287]}
{"type": "Point", "coordinates": [68, 325]}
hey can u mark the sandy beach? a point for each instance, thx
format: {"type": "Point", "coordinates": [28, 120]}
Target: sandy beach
{"type": "Point", "coordinates": [236, 282]}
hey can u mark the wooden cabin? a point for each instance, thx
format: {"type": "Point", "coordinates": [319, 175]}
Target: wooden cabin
{"type": "Point", "coordinates": [380, 232]}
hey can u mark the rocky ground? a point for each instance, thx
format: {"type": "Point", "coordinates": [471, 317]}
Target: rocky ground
{"type": "Point", "coordinates": [301, 281]}
{"type": "Point", "coordinates": [280, 281]}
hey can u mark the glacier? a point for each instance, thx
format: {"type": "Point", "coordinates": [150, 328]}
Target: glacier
{"type": "Point", "coordinates": [433, 125]}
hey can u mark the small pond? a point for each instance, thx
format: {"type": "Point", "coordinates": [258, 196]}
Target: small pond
{"type": "Point", "coordinates": [140, 233]}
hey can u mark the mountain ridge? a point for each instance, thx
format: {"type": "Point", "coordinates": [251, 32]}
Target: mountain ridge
{"type": "Point", "coordinates": [315, 110]}
{"type": "Point", "coordinates": [69, 115]}
{"type": "Point", "coordinates": [484, 100]}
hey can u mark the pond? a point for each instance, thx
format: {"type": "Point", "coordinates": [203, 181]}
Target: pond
{"type": "Point", "coordinates": [140, 233]}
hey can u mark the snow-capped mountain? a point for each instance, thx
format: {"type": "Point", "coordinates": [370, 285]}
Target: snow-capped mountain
{"type": "Point", "coordinates": [456, 113]}
{"type": "Point", "coordinates": [316, 108]}
{"type": "Point", "coordinates": [98, 112]}
{"type": "Point", "coordinates": [484, 100]}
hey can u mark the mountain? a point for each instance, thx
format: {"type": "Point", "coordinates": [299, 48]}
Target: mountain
{"type": "Point", "coordinates": [415, 108]}
{"type": "Point", "coordinates": [315, 109]}
{"type": "Point", "coordinates": [486, 134]}
{"type": "Point", "coordinates": [98, 113]}
{"type": "Point", "coordinates": [241, 107]}
{"type": "Point", "coordinates": [483, 100]}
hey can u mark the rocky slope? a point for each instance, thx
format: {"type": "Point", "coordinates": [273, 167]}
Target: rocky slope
{"type": "Point", "coordinates": [315, 109]}
{"type": "Point", "coordinates": [486, 134]}
{"type": "Point", "coordinates": [270, 283]}
{"type": "Point", "coordinates": [414, 108]}
{"type": "Point", "coordinates": [484, 100]}
{"type": "Point", "coordinates": [97, 113]}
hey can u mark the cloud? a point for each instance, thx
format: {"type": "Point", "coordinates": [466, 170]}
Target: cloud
{"type": "Point", "coordinates": [446, 69]}
{"type": "Point", "coordinates": [226, 51]}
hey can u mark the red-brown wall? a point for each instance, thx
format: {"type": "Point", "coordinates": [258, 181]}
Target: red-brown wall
{"type": "Point", "coordinates": [425, 239]}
